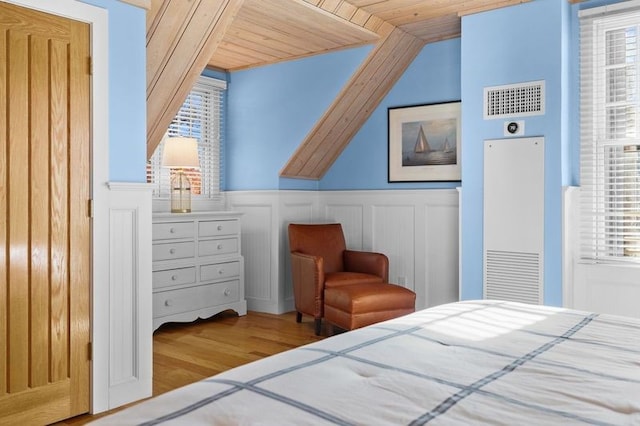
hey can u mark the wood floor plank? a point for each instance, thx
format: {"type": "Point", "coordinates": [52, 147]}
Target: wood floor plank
{"type": "Point", "coordinates": [186, 353]}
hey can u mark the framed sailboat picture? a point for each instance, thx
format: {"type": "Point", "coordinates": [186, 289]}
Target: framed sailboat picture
{"type": "Point", "coordinates": [424, 143]}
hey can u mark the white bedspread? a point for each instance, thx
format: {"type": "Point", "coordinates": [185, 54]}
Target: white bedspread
{"type": "Point", "coordinates": [465, 363]}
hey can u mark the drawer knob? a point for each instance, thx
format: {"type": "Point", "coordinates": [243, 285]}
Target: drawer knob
{"type": "Point", "coordinates": [174, 277]}
{"type": "Point", "coordinates": [219, 246]}
{"type": "Point", "coordinates": [227, 292]}
{"type": "Point", "coordinates": [220, 271]}
{"type": "Point", "coordinates": [168, 302]}
{"type": "Point", "coordinates": [219, 227]}
{"type": "Point", "coordinates": [172, 231]}
{"type": "Point", "coordinates": [172, 251]}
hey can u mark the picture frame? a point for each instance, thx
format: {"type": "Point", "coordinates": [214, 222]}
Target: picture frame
{"type": "Point", "coordinates": [424, 143]}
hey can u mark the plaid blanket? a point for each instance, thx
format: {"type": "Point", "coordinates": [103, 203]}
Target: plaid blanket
{"type": "Point", "coordinates": [477, 362]}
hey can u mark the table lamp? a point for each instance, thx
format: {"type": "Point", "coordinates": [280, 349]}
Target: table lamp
{"type": "Point", "coordinates": [180, 153]}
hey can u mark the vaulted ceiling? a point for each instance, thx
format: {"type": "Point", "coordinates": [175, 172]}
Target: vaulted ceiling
{"type": "Point", "coordinates": [267, 31]}
{"type": "Point", "coordinates": [185, 36]}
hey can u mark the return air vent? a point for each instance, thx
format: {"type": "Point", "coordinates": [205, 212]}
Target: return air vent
{"type": "Point", "coordinates": [512, 276]}
{"type": "Point", "coordinates": [514, 100]}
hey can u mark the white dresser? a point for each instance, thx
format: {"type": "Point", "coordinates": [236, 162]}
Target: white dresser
{"type": "Point", "coordinates": [197, 267]}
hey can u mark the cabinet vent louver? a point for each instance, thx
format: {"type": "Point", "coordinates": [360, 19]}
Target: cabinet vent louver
{"type": "Point", "coordinates": [514, 100]}
{"type": "Point", "coordinates": [513, 276]}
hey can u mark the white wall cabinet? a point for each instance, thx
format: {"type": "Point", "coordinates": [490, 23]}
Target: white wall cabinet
{"type": "Point", "coordinates": [198, 270]}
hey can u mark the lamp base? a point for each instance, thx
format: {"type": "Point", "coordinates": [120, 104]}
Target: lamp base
{"type": "Point", "coordinates": [180, 193]}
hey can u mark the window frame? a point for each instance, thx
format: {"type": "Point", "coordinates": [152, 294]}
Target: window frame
{"type": "Point", "coordinates": [210, 148]}
{"type": "Point", "coordinates": [610, 173]}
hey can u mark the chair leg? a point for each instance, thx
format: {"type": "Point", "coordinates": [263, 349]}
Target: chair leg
{"type": "Point", "coordinates": [298, 316]}
{"type": "Point", "coordinates": [318, 324]}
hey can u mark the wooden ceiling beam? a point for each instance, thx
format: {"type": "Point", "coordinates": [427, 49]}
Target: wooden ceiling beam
{"type": "Point", "coordinates": [354, 104]}
{"type": "Point", "coordinates": [180, 42]}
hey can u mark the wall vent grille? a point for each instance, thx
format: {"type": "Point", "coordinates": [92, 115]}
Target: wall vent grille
{"type": "Point", "coordinates": [513, 276]}
{"type": "Point", "coordinates": [514, 100]}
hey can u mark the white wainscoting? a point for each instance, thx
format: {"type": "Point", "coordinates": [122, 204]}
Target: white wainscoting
{"type": "Point", "coordinates": [610, 289]}
{"type": "Point", "coordinates": [129, 330]}
{"type": "Point", "coordinates": [416, 229]}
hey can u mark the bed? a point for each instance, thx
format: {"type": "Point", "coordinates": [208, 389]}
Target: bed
{"type": "Point", "coordinates": [474, 362]}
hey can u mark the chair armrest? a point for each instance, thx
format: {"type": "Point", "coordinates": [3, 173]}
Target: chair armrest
{"type": "Point", "coordinates": [367, 262]}
{"type": "Point", "coordinates": [307, 275]}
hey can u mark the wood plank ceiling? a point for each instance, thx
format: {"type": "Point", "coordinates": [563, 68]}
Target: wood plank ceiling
{"type": "Point", "coordinates": [268, 31]}
{"type": "Point", "coordinates": [184, 36]}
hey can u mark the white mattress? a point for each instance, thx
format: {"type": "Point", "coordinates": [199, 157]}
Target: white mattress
{"type": "Point", "coordinates": [479, 362]}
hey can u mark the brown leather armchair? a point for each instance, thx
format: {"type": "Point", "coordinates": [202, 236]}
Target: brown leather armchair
{"type": "Point", "coordinates": [320, 259]}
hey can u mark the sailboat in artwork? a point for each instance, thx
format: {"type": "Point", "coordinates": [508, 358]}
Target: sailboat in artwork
{"type": "Point", "coordinates": [422, 145]}
{"type": "Point", "coordinates": [447, 146]}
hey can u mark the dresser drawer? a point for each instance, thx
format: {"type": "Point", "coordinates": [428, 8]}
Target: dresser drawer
{"type": "Point", "coordinates": [173, 277]}
{"type": "Point", "coordinates": [222, 246]}
{"type": "Point", "coordinates": [218, 271]}
{"type": "Point", "coordinates": [214, 228]}
{"type": "Point", "coordinates": [169, 251]}
{"type": "Point", "coordinates": [170, 230]}
{"type": "Point", "coordinates": [194, 298]}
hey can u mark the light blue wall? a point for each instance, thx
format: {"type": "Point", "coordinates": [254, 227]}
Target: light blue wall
{"type": "Point", "coordinates": [270, 111]}
{"type": "Point", "coordinates": [127, 91]}
{"type": "Point", "coordinates": [511, 45]}
{"type": "Point", "coordinates": [433, 77]}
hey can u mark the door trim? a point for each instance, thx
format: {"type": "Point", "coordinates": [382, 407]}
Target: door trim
{"type": "Point", "coordinates": [98, 19]}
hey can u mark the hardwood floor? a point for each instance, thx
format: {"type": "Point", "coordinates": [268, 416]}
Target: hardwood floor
{"type": "Point", "coordinates": [185, 353]}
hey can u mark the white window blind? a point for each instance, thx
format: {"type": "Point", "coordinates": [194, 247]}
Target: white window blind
{"type": "Point", "coordinates": [610, 137]}
{"type": "Point", "coordinates": [201, 117]}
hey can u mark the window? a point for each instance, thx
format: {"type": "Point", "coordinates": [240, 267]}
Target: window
{"type": "Point", "coordinates": [201, 117]}
{"type": "Point", "coordinates": [609, 133]}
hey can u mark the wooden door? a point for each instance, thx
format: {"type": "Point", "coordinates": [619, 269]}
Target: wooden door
{"type": "Point", "coordinates": [44, 223]}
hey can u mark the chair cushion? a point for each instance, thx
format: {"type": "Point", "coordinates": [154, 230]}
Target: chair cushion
{"type": "Point", "coordinates": [336, 279]}
{"type": "Point", "coordinates": [370, 297]}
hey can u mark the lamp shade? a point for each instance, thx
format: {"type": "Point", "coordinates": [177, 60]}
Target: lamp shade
{"type": "Point", "coordinates": [180, 152]}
